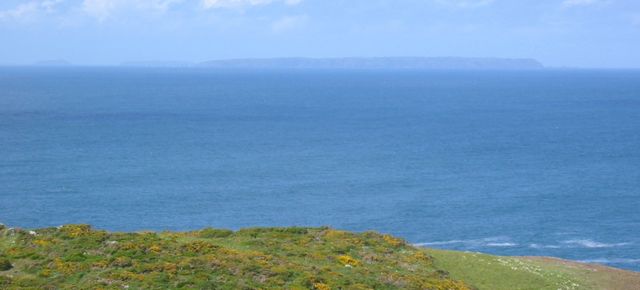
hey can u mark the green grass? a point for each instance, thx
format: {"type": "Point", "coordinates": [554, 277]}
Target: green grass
{"type": "Point", "coordinates": [78, 257]}
{"type": "Point", "coordinates": [508, 273]}
{"type": "Point", "coordinates": [512, 273]}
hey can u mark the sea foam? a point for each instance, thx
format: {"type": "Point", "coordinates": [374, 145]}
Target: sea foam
{"type": "Point", "coordinates": [592, 244]}
{"type": "Point", "coordinates": [473, 243]}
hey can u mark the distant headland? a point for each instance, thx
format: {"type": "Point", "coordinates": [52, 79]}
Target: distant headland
{"type": "Point", "coordinates": [356, 63]}
{"type": "Point", "coordinates": [337, 63]}
{"type": "Point", "coordinates": [53, 62]}
{"type": "Point", "coordinates": [435, 63]}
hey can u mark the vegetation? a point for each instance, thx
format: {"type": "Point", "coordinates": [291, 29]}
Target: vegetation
{"type": "Point", "coordinates": [5, 264]}
{"type": "Point", "coordinates": [79, 257]}
{"type": "Point", "coordinates": [535, 273]}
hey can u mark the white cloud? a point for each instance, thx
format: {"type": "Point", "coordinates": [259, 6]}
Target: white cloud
{"type": "Point", "coordinates": [466, 3]}
{"type": "Point", "coordinates": [156, 5]}
{"type": "Point", "coordinates": [100, 9]}
{"type": "Point", "coordinates": [210, 4]}
{"type": "Point", "coordinates": [19, 12]}
{"type": "Point", "coordinates": [578, 3]}
{"type": "Point", "coordinates": [29, 11]}
{"type": "Point", "coordinates": [288, 23]}
{"type": "Point", "coordinates": [50, 5]}
{"type": "Point", "coordinates": [103, 9]}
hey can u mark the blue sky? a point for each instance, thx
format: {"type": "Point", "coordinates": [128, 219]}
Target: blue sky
{"type": "Point", "coordinates": [575, 33]}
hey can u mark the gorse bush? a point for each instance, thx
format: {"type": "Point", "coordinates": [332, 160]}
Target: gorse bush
{"type": "Point", "coordinates": [78, 257]}
{"type": "Point", "coordinates": [348, 261]}
{"type": "Point", "coordinates": [74, 231]}
{"type": "Point", "coordinates": [214, 233]}
{"type": "Point", "coordinates": [5, 264]}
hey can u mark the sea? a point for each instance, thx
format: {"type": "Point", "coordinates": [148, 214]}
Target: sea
{"type": "Point", "coordinates": [542, 162]}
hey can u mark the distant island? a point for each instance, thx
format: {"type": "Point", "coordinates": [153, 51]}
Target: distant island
{"type": "Point", "coordinates": [157, 64]}
{"type": "Point", "coordinates": [338, 63]}
{"type": "Point", "coordinates": [400, 63]}
{"type": "Point", "coordinates": [53, 62]}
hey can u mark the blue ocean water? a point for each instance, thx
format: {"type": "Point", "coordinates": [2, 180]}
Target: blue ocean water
{"type": "Point", "coordinates": [513, 163]}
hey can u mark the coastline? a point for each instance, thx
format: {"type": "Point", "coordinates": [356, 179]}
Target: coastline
{"type": "Point", "coordinates": [295, 258]}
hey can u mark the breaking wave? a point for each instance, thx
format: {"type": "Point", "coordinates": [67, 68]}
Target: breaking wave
{"type": "Point", "coordinates": [507, 242]}
{"type": "Point", "coordinates": [474, 243]}
{"type": "Point", "coordinates": [592, 244]}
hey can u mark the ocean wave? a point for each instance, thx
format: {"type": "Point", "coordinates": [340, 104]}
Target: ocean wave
{"type": "Point", "coordinates": [611, 261]}
{"type": "Point", "coordinates": [441, 243]}
{"type": "Point", "coordinates": [592, 244]}
{"type": "Point", "coordinates": [538, 246]}
{"type": "Point", "coordinates": [501, 244]}
{"type": "Point", "coordinates": [507, 242]}
{"type": "Point", "coordinates": [579, 243]}
{"type": "Point", "coordinates": [473, 243]}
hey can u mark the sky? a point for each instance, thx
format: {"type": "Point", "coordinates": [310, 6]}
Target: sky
{"type": "Point", "coordinates": [559, 33]}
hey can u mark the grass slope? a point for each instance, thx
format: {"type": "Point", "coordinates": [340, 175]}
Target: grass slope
{"type": "Point", "coordinates": [535, 273]}
{"type": "Point", "coordinates": [78, 257]}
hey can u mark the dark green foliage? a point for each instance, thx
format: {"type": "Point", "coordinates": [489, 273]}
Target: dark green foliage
{"type": "Point", "coordinates": [5, 264]}
{"type": "Point", "coordinates": [210, 233]}
{"type": "Point", "coordinates": [4, 281]}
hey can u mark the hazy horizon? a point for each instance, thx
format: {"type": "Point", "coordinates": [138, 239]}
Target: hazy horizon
{"type": "Point", "coordinates": [558, 33]}
{"type": "Point", "coordinates": [382, 62]}
{"type": "Point", "coordinates": [199, 63]}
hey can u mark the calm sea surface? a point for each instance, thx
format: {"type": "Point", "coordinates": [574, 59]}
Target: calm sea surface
{"type": "Point", "coordinates": [513, 163]}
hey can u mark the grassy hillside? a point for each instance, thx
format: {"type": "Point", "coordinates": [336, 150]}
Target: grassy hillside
{"type": "Point", "coordinates": [535, 273]}
{"type": "Point", "coordinates": [78, 257]}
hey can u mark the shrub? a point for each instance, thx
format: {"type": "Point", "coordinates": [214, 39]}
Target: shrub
{"type": "Point", "coordinates": [209, 233]}
{"type": "Point", "coordinates": [77, 256]}
{"type": "Point", "coordinates": [5, 265]}
{"type": "Point", "coordinates": [321, 286]}
{"type": "Point", "coordinates": [66, 268]}
{"type": "Point", "coordinates": [198, 247]}
{"type": "Point", "coordinates": [421, 256]}
{"type": "Point", "coordinates": [5, 281]}
{"type": "Point", "coordinates": [155, 249]}
{"type": "Point", "coordinates": [43, 243]}
{"type": "Point", "coordinates": [121, 262]}
{"type": "Point", "coordinates": [46, 273]}
{"type": "Point", "coordinates": [395, 242]}
{"type": "Point", "coordinates": [75, 231]}
{"type": "Point", "coordinates": [295, 230]}
{"type": "Point", "coordinates": [348, 261]}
